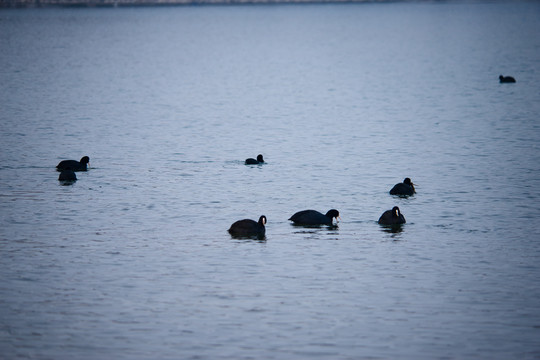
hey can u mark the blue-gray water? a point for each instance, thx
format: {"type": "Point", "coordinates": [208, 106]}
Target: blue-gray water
{"type": "Point", "coordinates": [134, 261]}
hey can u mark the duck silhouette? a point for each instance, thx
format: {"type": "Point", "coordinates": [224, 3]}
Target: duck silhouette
{"type": "Point", "coordinates": [313, 217]}
{"type": "Point", "coordinates": [73, 165]}
{"type": "Point", "coordinates": [506, 79]}
{"type": "Point", "coordinates": [392, 217]}
{"type": "Point", "coordinates": [406, 188]}
{"type": "Point", "coordinates": [252, 161]}
{"type": "Point", "coordinates": [248, 228]}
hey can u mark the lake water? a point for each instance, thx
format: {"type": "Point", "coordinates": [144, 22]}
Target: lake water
{"type": "Point", "coordinates": [133, 261]}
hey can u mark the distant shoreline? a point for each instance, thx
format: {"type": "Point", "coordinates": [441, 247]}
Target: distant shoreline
{"type": "Point", "coordinates": [126, 3]}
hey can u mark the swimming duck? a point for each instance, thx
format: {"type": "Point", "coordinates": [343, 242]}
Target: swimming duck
{"type": "Point", "coordinates": [248, 228]}
{"type": "Point", "coordinates": [252, 161]}
{"type": "Point", "coordinates": [313, 217]}
{"type": "Point", "coordinates": [73, 164]}
{"type": "Point", "coordinates": [405, 188]}
{"type": "Point", "coordinates": [506, 79]}
{"type": "Point", "coordinates": [392, 217]}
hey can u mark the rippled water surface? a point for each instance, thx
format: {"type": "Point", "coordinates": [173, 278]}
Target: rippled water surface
{"type": "Point", "coordinates": [133, 261]}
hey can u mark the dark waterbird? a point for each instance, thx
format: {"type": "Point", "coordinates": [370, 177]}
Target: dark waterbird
{"type": "Point", "coordinates": [67, 175]}
{"type": "Point", "coordinates": [392, 217]}
{"type": "Point", "coordinates": [252, 161]}
{"type": "Point", "coordinates": [248, 228]}
{"type": "Point", "coordinates": [73, 165]}
{"type": "Point", "coordinates": [506, 79]}
{"type": "Point", "coordinates": [406, 188]}
{"type": "Point", "coordinates": [313, 217]}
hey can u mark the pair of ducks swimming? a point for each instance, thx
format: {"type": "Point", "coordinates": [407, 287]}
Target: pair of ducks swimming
{"type": "Point", "coordinates": [67, 168]}
{"type": "Point", "coordinates": [406, 188]}
{"type": "Point", "coordinates": [251, 228]}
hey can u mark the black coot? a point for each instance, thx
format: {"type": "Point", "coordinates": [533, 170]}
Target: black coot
{"type": "Point", "coordinates": [67, 175]}
{"type": "Point", "coordinates": [73, 164]}
{"type": "Point", "coordinates": [249, 228]}
{"type": "Point", "coordinates": [392, 217]}
{"type": "Point", "coordinates": [252, 161]}
{"type": "Point", "coordinates": [313, 217]}
{"type": "Point", "coordinates": [405, 188]}
{"type": "Point", "coordinates": [506, 79]}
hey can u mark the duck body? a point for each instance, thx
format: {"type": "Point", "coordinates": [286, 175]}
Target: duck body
{"type": "Point", "coordinates": [249, 228]}
{"type": "Point", "coordinates": [74, 165]}
{"type": "Point", "coordinates": [406, 188]}
{"type": "Point", "coordinates": [392, 217]}
{"type": "Point", "coordinates": [313, 217]}
{"type": "Point", "coordinates": [506, 79]}
{"type": "Point", "coordinates": [67, 175]}
{"type": "Point", "coordinates": [252, 161]}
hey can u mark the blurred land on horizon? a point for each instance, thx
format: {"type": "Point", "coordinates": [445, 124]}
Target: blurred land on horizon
{"type": "Point", "coordinates": [115, 3]}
